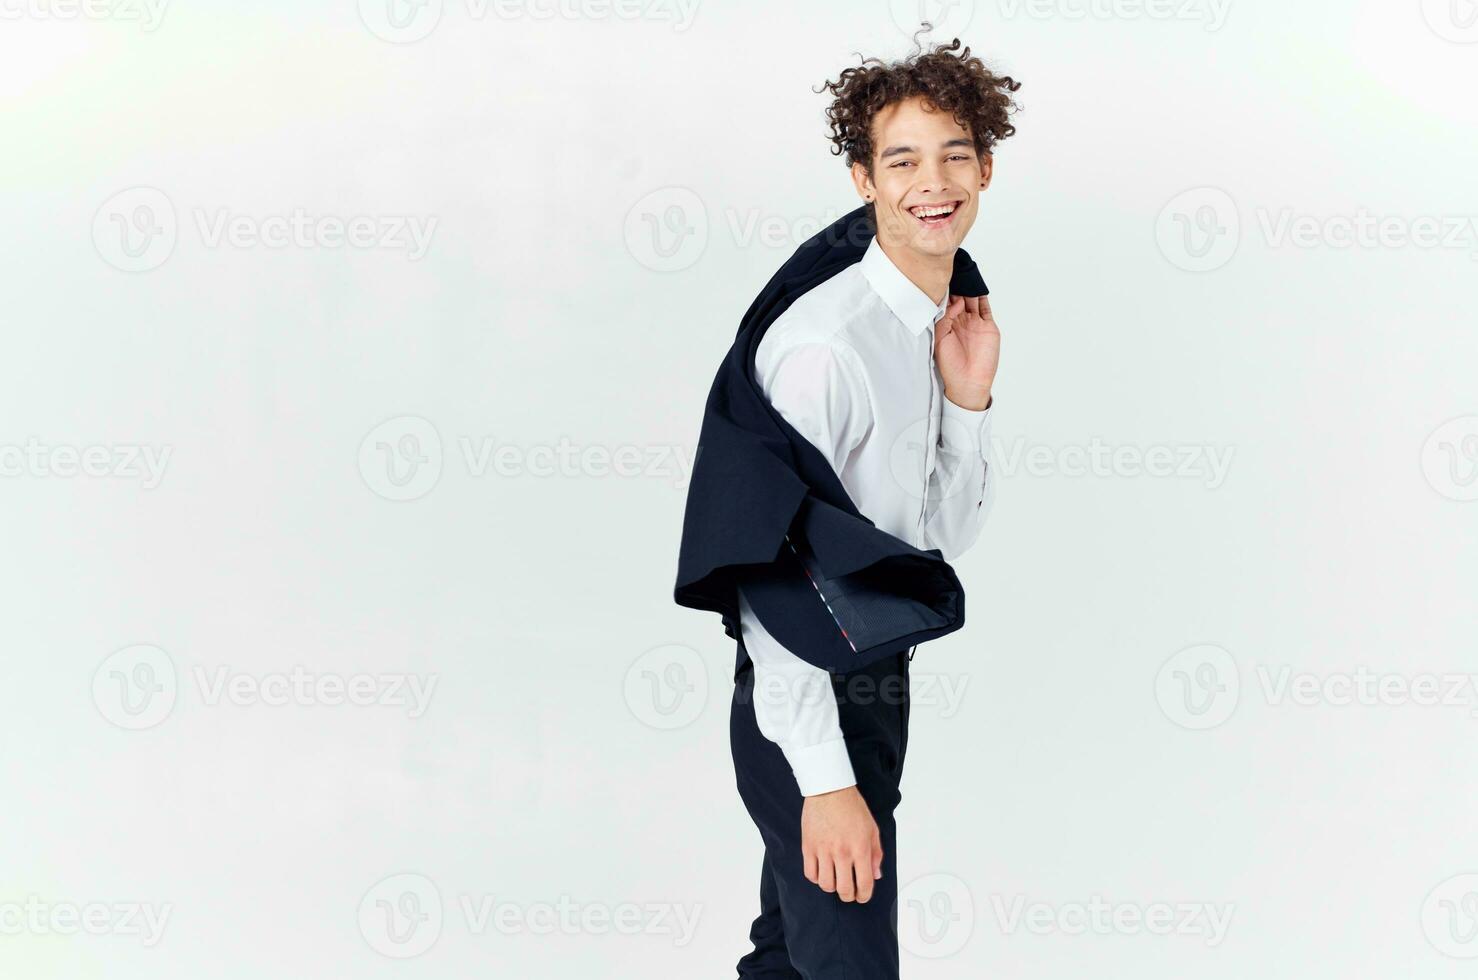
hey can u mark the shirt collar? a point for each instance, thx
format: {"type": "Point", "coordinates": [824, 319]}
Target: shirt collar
{"type": "Point", "coordinates": [909, 303]}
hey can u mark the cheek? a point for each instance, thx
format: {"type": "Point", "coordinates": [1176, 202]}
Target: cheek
{"type": "Point", "coordinates": [893, 187]}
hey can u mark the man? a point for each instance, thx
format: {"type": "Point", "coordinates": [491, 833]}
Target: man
{"type": "Point", "coordinates": [890, 378]}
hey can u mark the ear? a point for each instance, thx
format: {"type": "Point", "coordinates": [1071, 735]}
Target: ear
{"type": "Point", "coordinates": [987, 168]}
{"type": "Point", "coordinates": [863, 182]}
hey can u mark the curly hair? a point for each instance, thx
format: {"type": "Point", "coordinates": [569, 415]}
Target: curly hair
{"type": "Point", "coordinates": [979, 99]}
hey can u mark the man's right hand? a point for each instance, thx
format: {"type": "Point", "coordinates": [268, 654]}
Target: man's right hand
{"type": "Point", "coordinates": [840, 842]}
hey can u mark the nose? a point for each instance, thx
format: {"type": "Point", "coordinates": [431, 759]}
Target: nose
{"type": "Point", "coordinates": [931, 176]}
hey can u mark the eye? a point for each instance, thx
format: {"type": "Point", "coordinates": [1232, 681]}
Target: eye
{"type": "Point", "coordinates": [957, 156]}
{"type": "Point", "coordinates": [903, 163]}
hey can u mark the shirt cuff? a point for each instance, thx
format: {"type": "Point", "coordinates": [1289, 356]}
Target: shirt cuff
{"type": "Point", "coordinates": [821, 768]}
{"type": "Point", "coordinates": [963, 430]}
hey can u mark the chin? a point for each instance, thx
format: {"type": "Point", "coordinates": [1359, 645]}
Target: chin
{"type": "Point", "coordinates": [936, 246]}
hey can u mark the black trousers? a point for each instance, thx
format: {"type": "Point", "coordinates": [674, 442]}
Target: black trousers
{"type": "Point", "coordinates": [802, 932]}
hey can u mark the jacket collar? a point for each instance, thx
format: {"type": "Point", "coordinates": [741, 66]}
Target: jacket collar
{"type": "Point", "coordinates": [909, 303]}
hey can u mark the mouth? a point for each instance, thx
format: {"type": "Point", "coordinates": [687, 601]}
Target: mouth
{"type": "Point", "coordinates": [934, 216]}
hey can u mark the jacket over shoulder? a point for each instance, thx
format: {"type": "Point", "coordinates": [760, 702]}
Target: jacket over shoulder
{"type": "Point", "coordinates": [766, 510]}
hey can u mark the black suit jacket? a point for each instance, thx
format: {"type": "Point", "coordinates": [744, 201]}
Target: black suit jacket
{"type": "Point", "coordinates": [766, 510]}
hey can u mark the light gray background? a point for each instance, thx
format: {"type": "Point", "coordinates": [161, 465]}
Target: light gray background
{"type": "Point", "coordinates": [1167, 241]}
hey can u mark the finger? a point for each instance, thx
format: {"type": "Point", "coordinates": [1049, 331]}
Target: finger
{"type": "Point", "coordinates": [864, 885]}
{"type": "Point", "coordinates": [955, 306]}
{"type": "Point", "coordinates": [810, 863]}
{"type": "Point", "coordinates": [846, 887]}
{"type": "Point", "coordinates": [828, 878]}
{"type": "Point", "coordinates": [944, 328]}
{"type": "Point", "coordinates": [877, 858]}
{"type": "Point", "coordinates": [985, 307]}
{"type": "Point", "coordinates": [972, 304]}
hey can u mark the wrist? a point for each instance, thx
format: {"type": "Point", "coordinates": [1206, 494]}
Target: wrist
{"type": "Point", "coordinates": [973, 398]}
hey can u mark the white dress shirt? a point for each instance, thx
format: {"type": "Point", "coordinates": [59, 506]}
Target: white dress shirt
{"type": "Point", "coordinates": [851, 366]}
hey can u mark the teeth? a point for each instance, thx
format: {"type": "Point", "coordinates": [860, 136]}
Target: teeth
{"type": "Point", "coordinates": [927, 212]}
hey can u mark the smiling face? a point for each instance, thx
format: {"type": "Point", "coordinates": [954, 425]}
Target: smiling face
{"type": "Point", "coordinates": [925, 179]}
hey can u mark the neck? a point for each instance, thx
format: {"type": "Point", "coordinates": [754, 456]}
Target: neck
{"type": "Point", "coordinates": [931, 273]}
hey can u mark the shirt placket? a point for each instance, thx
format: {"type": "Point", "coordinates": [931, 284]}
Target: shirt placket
{"type": "Point", "coordinates": [930, 439]}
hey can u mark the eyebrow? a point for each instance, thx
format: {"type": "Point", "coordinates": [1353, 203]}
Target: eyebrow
{"type": "Point", "coordinates": [894, 151]}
